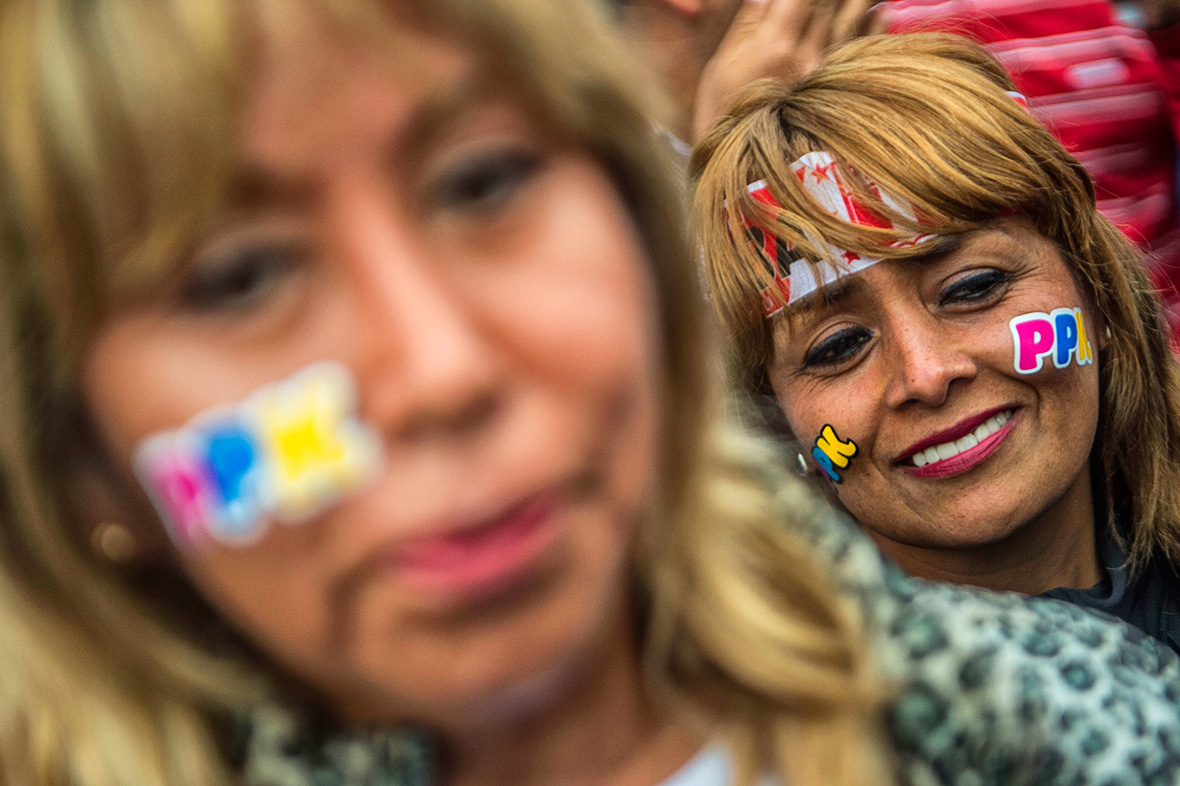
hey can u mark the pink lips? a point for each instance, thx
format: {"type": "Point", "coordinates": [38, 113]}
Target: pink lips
{"type": "Point", "coordinates": [472, 561]}
{"type": "Point", "coordinates": [966, 460]}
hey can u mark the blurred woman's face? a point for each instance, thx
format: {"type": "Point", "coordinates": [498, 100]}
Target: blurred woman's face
{"type": "Point", "coordinates": [914, 362]}
{"type": "Point", "coordinates": [406, 217]}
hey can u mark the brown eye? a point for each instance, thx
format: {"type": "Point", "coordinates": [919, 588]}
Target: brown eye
{"type": "Point", "coordinates": [838, 348]}
{"type": "Point", "coordinates": [489, 181]}
{"type": "Point", "coordinates": [975, 288]}
{"type": "Point", "coordinates": [238, 280]}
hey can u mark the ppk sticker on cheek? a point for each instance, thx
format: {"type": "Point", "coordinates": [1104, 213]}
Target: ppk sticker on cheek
{"type": "Point", "coordinates": [832, 453]}
{"type": "Point", "coordinates": [1059, 334]}
{"type": "Point", "coordinates": [290, 452]}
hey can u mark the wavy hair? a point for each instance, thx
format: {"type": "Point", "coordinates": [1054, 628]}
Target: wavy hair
{"type": "Point", "coordinates": [116, 141]}
{"type": "Point", "coordinates": [927, 118]}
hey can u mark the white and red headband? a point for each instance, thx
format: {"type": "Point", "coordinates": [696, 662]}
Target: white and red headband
{"type": "Point", "coordinates": [795, 277]}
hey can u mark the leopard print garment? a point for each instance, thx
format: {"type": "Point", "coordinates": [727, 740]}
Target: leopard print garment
{"type": "Point", "coordinates": [1000, 689]}
{"type": "Point", "coordinates": [994, 690]}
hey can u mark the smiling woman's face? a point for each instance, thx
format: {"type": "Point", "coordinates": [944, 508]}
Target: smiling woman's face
{"type": "Point", "coordinates": [917, 357]}
{"type": "Point", "coordinates": [482, 281]}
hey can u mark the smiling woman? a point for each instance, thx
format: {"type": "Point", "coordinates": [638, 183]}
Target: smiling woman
{"type": "Point", "coordinates": [943, 294]}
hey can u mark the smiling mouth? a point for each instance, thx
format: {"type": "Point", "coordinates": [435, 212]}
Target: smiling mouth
{"type": "Point", "coordinates": [949, 450]}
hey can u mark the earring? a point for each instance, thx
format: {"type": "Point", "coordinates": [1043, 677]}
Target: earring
{"type": "Point", "coordinates": [113, 542]}
{"type": "Point", "coordinates": [800, 464]}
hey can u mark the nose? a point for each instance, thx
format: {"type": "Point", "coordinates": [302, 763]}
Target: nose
{"type": "Point", "coordinates": [926, 358]}
{"type": "Point", "coordinates": [426, 367]}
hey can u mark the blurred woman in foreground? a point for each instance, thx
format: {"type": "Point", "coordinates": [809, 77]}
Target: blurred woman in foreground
{"type": "Point", "coordinates": [1000, 384]}
{"type": "Point", "coordinates": [355, 383]}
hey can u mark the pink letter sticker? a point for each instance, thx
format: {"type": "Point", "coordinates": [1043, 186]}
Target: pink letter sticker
{"type": "Point", "coordinates": [176, 481]}
{"type": "Point", "coordinates": [1035, 338]}
{"type": "Point", "coordinates": [1061, 334]}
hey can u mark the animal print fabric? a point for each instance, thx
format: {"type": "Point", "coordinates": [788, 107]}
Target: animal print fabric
{"type": "Point", "coordinates": [999, 689]}
{"type": "Point", "coordinates": [993, 689]}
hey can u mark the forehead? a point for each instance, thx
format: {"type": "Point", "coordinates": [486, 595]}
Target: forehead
{"type": "Point", "coordinates": [322, 85]}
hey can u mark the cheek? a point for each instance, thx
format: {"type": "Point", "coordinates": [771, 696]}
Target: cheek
{"type": "Point", "coordinates": [831, 430]}
{"type": "Point", "coordinates": [126, 402]}
{"type": "Point", "coordinates": [577, 306]}
{"type": "Point", "coordinates": [1069, 407]}
{"type": "Point", "coordinates": [139, 380]}
{"type": "Point", "coordinates": [273, 590]}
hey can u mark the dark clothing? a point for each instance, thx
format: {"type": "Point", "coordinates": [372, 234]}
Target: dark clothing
{"type": "Point", "coordinates": [1150, 602]}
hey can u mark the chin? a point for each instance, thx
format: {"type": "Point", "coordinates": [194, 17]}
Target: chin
{"type": "Point", "coordinates": [486, 672]}
{"type": "Point", "coordinates": [949, 532]}
{"type": "Point", "coordinates": [493, 694]}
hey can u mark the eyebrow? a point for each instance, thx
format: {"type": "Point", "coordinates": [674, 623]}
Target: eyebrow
{"type": "Point", "coordinates": [849, 284]}
{"type": "Point", "coordinates": [256, 186]}
{"type": "Point", "coordinates": [843, 288]}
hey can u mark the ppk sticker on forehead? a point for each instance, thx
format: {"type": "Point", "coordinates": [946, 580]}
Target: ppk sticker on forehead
{"type": "Point", "coordinates": [291, 451]}
{"type": "Point", "coordinates": [1060, 334]}
{"type": "Point", "coordinates": [794, 276]}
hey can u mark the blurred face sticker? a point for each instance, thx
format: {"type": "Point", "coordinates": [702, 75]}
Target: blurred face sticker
{"type": "Point", "coordinates": [292, 450]}
{"type": "Point", "coordinates": [1060, 335]}
{"type": "Point", "coordinates": [832, 453]}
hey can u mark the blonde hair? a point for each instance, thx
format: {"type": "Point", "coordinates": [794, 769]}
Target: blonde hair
{"type": "Point", "coordinates": [927, 118]}
{"type": "Point", "coordinates": [116, 137]}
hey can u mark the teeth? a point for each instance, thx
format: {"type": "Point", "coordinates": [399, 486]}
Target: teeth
{"type": "Point", "coordinates": [951, 449]}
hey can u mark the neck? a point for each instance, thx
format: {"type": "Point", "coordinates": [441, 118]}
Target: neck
{"type": "Point", "coordinates": [604, 731]}
{"type": "Point", "coordinates": [1056, 549]}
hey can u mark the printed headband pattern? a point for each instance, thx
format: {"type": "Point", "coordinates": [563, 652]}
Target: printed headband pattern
{"type": "Point", "coordinates": [795, 277]}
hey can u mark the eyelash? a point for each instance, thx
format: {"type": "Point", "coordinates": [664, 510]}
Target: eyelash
{"type": "Point", "coordinates": [837, 348]}
{"type": "Point", "coordinates": [487, 182]}
{"type": "Point", "coordinates": [239, 279]}
{"type": "Point", "coordinates": [975, 288]}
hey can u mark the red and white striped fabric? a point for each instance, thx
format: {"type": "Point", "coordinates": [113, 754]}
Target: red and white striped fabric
{"type": "Point", "coordinates": [1109, 92]}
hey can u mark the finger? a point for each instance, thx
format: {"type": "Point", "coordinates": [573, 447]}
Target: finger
{"type": "Point", "coordinates": [817, 37]}
{"type": "Point", "coordinates": [788, 18]}
{"type": "Point", "coordinates": [749, 15]}
{"type": "Point", "coordinates": [851, 20]}
{"type": "Point", "coordinates": [745, 22]}
{"type": "Point", "coordinates": [877, 19]}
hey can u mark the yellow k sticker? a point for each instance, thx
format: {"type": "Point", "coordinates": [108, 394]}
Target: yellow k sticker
{"type": "Point", "coordinates": [831, 452]}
